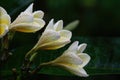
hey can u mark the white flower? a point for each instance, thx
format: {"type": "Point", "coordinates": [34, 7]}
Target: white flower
{"type": "Point", "coordinates": [73, 59]}
{"type": "Point", "coordinates": [28, 21]}
{"type": "Point", "coordinates": [4, 22]}
{"type": "Point", "coordinates": [53, 37]}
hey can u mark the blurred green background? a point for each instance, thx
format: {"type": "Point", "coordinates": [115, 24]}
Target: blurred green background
{"type": "Point", "coordinates": [99, 27]}
{"type": "Point", "coordinates": [97, 17]}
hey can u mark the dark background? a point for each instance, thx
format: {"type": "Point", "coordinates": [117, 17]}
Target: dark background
{"type": "Point", "coordinates": [99, 27]}
{"type": "Point", "coordinates": [97, 17]}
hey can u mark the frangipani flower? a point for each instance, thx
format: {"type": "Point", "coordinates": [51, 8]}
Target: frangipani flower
{"type": "Point", "coordinates": [4, 22]}
{"type": "Point", "coordinates": [73, 59]}
{"type": "Point", "coordinates": [27, 21]}
{"type": "Point", "coordinates": [53, 37]}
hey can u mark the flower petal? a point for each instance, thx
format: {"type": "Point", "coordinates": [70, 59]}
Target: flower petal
{"type": "Point", "coordinates": [85, 58]}
{"type": "Point", "coordinates": [65, 33]}
{"type": "Point", "coordinates": [59, 25]}
{"type": "Point", "coordinates": [69, 58]}
{"type": "Point", "coordinates": [5, 19]}
{"type": "Point", "coordinates": [3, 30]}
{"type": "Point", "coordinates": [23, 18]}
{"type": "Point", "coordinates": [41, 22]}
{"type": "Point", "coordinates": [61, 42]}
{"type": "Point", "coordinates": [74, 69]}
{"type": "Point", "coordinates": [30, 8]}
{"type": "Point", "coordinates": [38, 14]}
{"type": "Point", "coordinates": [50, 25]}
{"type": "Point", "coordinates": [54, 45]}
{"type": "Point", "coordinates": [79, 71]}
{"type": "Point", "coordinates": [82, 47]}
{"type": "Point", "coordinates": [47, 37]}
{"type": "Point", "coordinates": [50, 36]}
{"type": "Point", "coordinates": [74, 46]}
{"type": "Point", "coordinates": [2, 11]}
{"type": "Point", "coordinates": [26, 27]}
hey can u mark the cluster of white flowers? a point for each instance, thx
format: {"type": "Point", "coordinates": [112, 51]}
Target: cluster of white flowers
{"type": "Point", "coordinates": [54, 37]}
{"type": "Point", "coordinates": [27, 21]}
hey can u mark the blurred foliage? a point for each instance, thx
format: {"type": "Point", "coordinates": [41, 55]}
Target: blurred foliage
{"type": "Point", "coordinates": [97, 17]}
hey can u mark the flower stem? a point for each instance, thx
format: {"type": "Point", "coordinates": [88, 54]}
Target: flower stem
{"type": "Point", "coordinates": [4, 49]}
{"type": "Point", "coordinates": [40, 67]}
{"type": "Point", "coordinates": [27, 61]}
{"type": "Point", "coordinates": [29, 54]}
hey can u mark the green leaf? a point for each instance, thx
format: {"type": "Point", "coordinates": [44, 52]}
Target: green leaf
{"type": "Point", "coordinates": [72, 25]}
